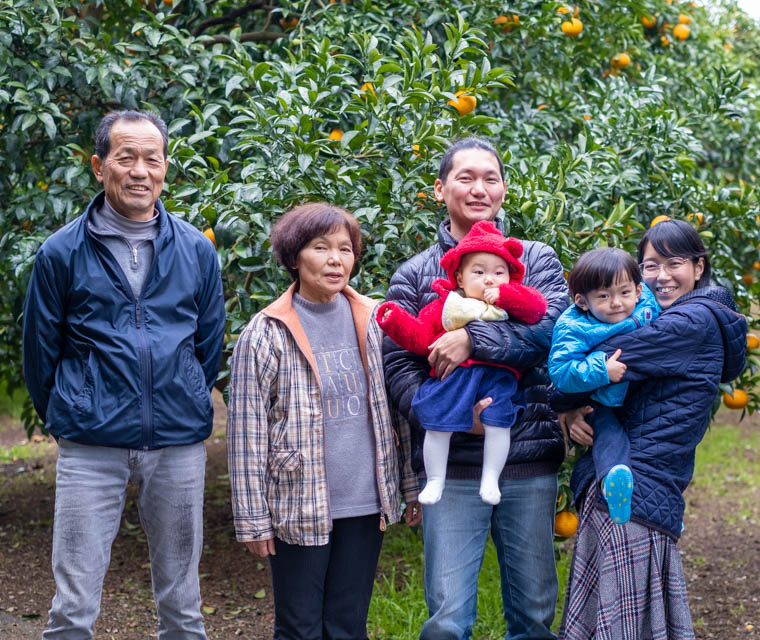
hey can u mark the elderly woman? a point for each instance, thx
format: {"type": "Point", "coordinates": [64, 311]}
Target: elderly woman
{"type": "Point", "coordinates": [312, 458]}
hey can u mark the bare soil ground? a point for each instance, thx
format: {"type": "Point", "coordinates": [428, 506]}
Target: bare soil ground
{"type": "Point", "coordinates": [721, 556]}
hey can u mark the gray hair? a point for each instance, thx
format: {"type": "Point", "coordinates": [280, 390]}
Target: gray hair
{"type": "Point", "coordinates": [103, 134]}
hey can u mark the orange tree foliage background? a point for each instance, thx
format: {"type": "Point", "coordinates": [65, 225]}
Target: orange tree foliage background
{"type": "Point", "coordinates": [601, 131]}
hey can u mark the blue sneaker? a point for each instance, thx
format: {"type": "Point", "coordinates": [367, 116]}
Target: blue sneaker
{"type": "Point", "coordinates": [618, 488]}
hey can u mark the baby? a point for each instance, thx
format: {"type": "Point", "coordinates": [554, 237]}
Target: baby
{"type": "Point", "coordinates": [485, 276]}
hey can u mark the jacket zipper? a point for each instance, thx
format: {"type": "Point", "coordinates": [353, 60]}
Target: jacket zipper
{"type": "Point", "coordinates": [142, 349]}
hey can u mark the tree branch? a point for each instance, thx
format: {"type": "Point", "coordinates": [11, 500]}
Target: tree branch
{"type": "Point", "coordinates": [230, 17]}
{"type": "Point", "coordinates": [253, 36]}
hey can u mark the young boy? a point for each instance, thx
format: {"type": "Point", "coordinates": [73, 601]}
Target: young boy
{"type": "Point", "coordinates": [609, 299]}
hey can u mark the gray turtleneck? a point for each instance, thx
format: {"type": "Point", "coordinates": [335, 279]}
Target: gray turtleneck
{"type": "Point", "coordinates": [130, 241]}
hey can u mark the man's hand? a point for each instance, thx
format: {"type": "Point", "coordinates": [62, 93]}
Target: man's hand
{"type": "Point", "coordinates": [477, 425]}
{"type": "Point", "coordinates": [573, 423]}
{"type": "Point", "coordinates": [413, 514]}
{"type": "Point", "coordinates": [615, 368]}
{"type": "Point", "coordinates": [261, 548]}
{"type": "Point", "coordinates": [449, 351]}
{"type": "Point", "coordinates": [491, 295]}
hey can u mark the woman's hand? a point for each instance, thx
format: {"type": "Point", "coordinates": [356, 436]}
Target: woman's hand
{"type": "Point", "coordinates": [449, 351]}
{"type": "Point", "coordinates": [413, 514]}
{"type": "Point", "coordinates": [261, 548]}
{"type": "Point", "coordinates": [573, 423]}
{"type": "Point", "coordinates": [477, 425]}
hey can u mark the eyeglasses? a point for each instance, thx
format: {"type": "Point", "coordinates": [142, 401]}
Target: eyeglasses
{"type": "Point", "coordinates": [650, 268]}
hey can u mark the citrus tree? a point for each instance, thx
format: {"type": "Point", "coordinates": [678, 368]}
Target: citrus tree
{"type": "Point", "coordinates": [608, 114]}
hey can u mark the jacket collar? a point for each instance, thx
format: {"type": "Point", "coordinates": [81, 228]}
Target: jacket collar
{"type": "Point", "coordinates": [361, 309]}
{"type": "Point", "coordinates": [98, 201]}
{"type": "Point", "coordinates": [447, 241]}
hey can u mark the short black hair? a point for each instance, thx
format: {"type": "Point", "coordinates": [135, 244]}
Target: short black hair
{"type": "Point", "coordinates": [302, 224]}
{"type": "Point", "coordinates": [103, 134]}
{"type": "Point", "coordinates": [471, 142]}
{"type": "Point", "coordinates": [677, 239]}
{"type": "Point", "coordinates": [600, 268]}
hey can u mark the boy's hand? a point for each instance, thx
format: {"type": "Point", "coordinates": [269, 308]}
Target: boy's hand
{"type": "Point", "coordinates": [491, 295]}
{"type": "Point", "coordinates": [615, 369]}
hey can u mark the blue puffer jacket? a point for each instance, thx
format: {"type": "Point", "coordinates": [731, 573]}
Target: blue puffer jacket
{"type": "Point", "coordinates": [674, 366]}
{"type": "Point", "coordinates": [575, 366]}
{"type": "Point", "coordinates": [537, 444]}
{"type": "Point", "coordinates": [106, 368]}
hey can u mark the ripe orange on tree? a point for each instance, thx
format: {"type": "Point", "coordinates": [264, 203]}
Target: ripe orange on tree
{"type": "Point", "coordinates": [698, 217]}
{"type": "Point", "coordinates": [736, 400]}
{"type": "Point", "coordinates": [684, 19]}
{"type": "Point", "coordinates": [289, 23]}
{"type": "Point", "coordinates": [463, 102]}
{"type": "Point", "coordinates": [367, 86]}
{"type": "Point", "coordinates": [508, 22]}
{"type": "Point", "coordinates": [753, 342]}
{"type": "Point", "coordinates": [748, 278]}
{"type": "Point", "coordinates": [658, 219]}
{"type": "Point", "coordinates": [648, 22]}
{"type": "Point", "coordinates": [336, 134]}
{"type": "Point", "coordinates": [209, 233]}
{"type": "Point", "coordinates": [572, 27]}
{"type": "Point", "coordinates": [565, 524]}
{"type": "Point", "coordinates": [620, 60]}
{"type": "Point", "coordinates": [681, 31]}
{"type": "Point", "coordinates": [756, 265]}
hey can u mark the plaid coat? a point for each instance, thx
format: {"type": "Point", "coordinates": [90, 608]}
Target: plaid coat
{"type": "Point", "coordinates": [275, 429]}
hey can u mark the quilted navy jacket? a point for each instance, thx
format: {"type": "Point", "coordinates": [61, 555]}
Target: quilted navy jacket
{"type": "Point", "coordinates": [537, 445]}
{"type": "Point", "coordinates": [674, 366]}
{"type": "Point", "coordinates": [104, 367]}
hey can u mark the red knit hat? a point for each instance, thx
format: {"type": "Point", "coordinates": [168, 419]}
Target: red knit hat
{"type": "Point", "coordinates": [484, 236]}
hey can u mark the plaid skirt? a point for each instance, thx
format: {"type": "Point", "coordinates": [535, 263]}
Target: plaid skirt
{"type": "Point", "coordinates": [626, 583]}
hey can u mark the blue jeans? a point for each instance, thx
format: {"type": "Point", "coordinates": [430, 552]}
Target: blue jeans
{"type": "Point", "coordinates": [91, 486]}
{"type": "Point", "coordinates": [455, 531]}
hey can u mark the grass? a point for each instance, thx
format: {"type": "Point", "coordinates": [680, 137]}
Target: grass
{"type": "Point", "coordinates": [727, 462]}
{"type": "Point", "coordinates": [398, 604]}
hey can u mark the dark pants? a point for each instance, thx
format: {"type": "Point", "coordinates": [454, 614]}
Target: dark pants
{"type": "Point", "coordinates": [323, 593]}
{"type": "Point", "coordinates": [611, 443]}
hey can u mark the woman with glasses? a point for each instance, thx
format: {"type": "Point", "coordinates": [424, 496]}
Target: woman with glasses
{"type": "Point", "coordinates": [627, 581]}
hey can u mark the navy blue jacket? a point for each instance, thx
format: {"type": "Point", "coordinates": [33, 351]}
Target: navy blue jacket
{"type": "Point", "coordinates": [674, 366]}
{"type": "Point", "coordinates": [106, 368]}
{"type": "Point", "coordinates": [537, 446]}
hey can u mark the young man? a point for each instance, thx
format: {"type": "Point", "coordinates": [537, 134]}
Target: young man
{"type": "Point", "coordinates": [471, 184]}
{"type": "Point", "coordinates": [123, 329]}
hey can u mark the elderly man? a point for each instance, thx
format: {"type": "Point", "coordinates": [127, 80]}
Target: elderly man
{"type": "Point", "coordinates": [123, 329]}
{"type": "Point", "coordinates": [471, 184]}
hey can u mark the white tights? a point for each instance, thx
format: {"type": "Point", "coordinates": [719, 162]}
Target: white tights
{"type": "Point", "coordinates": [435, 453]}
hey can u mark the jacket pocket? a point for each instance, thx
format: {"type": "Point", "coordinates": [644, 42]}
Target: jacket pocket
{"type": "Point", "coordinates": [193, 373]}
{"type": "Point", "coordinates": [75, 381]}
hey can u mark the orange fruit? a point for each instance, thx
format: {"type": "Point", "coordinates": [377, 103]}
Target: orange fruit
{"type": "Point", "coordinates": [416, 150]}
{"type": "Point", "coordinates": [586, 116]}
{"type": "Point", "coordinates": [508, 22]}
{"type": "Point", "coordinates": [209, 233]}
{"type": "Point", "coordinates": [367, 86]}
{"type": "Point", "coordinates": [748, 278]}
{"type": "Point", "coordinates": [335, 134]}
{"type": "Point", "coordinates": [664, 41]}
{"type": "Point", "coordinates": [682, 18]}
{"type": "Point", "coordinates": [648, 22]}
{"type": "Point", "coordinates": [565, 524]}
{"type": "Point", "coordinates": [289, 23]}
{"type": "Point", "coordinates": [753, 342]}
{"type": "Point", "coordinates": [696, 217]}
{"type": "Point", "coordinates": [736, 400]}
{"type": "Point", "coordinates": [621, 60]}
{"type": "Point", "coordinates": [756, 265]}
{"type": "Point", "coordinates": [463, 103]}
{"type": "Point", "coordinates": [563, 10]}
{"type": "Point", "coordinates": [572, 27]}
{"type": "Point", "coordinates": [681, 31]}
{"type": "Point", "coordinates": [658, 219]}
